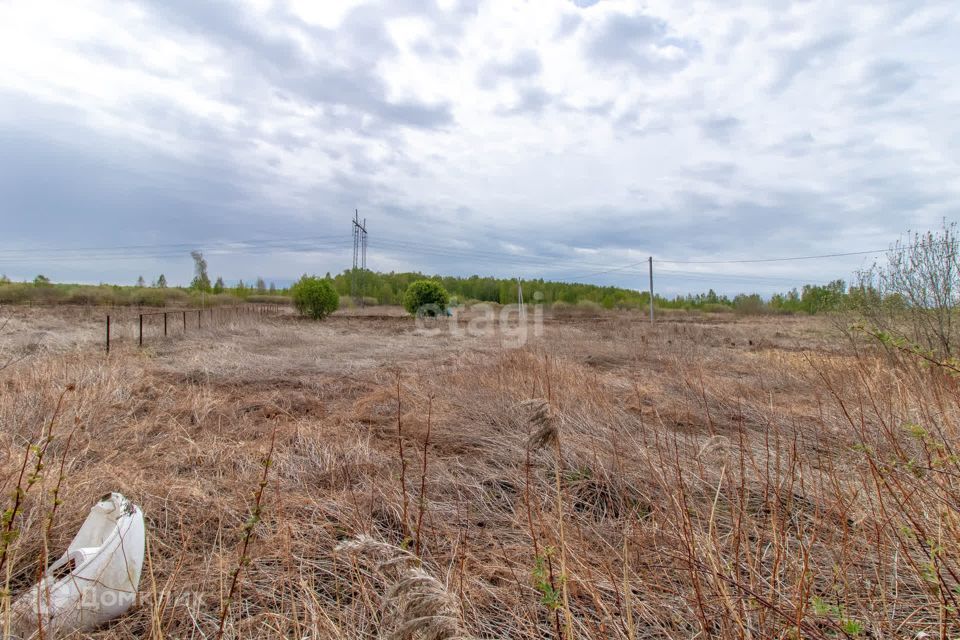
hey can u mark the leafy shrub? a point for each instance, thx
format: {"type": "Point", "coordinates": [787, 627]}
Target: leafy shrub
{"type": "Point", "coordinates": [426, 297]}
{"type": "Point", "coordinates": [589, 306]}
{"type": "Point", "coordinates": [751, 304]}
{"type": "Point", "coordinates": [915, 294]}
{"type": "Point", "coordinates": [314, 297]}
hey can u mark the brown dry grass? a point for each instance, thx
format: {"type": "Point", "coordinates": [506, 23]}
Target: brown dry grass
{"type": "Point", "coordinates": [705, 478]}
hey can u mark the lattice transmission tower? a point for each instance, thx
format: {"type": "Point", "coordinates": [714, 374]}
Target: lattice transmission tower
{"type": "Point", "coordinates": [358, 273]}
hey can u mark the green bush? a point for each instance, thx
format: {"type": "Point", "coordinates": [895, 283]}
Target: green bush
{"type": "Point", "coordinates": [426, 297]}
{"type": "Point", "coordinates": [589, 306]}
{"type": "Point", "coordinates": [751, 304]}
{"type": "Point", "coordinates": [314, 297]}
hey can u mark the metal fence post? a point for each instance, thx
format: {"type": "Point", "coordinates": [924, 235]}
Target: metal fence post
{"type": "Point", "coordinates": [108, 334]}
{"type": "Point", "coordinates": [164, 324]}
{"type": "Point", "coordinates": [141, 329]}
{"type": "Point", "coordinates": [184, 321]}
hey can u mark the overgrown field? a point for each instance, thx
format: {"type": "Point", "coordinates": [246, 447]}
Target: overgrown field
{"type": "Point", "coordinates": [710, 478]}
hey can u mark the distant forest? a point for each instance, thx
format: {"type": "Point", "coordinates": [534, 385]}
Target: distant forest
{"type": "Point", "coordinates": [388, 289]}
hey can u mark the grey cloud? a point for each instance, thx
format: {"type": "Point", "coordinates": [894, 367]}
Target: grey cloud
{"type": "Point", "coordinates": [278, 62]}
{"type": "Point", "coordinates": [569, 23]}
{"type": "Point", "coordinates": [814, 54]}
{"type": "Point", "coordinates": [884, 81]}
{"type": "Point", "coordinates": [532, 100]}
{"type": "Point", "coordinates": [78, 192]}
{"type": "Point", "coordinates": [526, 64]}
{"type": "Point", "coordinates": [637, 121]}
{"type": "Point", "coordinates": [361, 90]}
{"type": "Point", "coordinates": [227, 24]}
{"type": "Point", "coordinates": [720, 129]}
{"type": "Point", "coordinates": [600, 109]}
{"type": "Point", "coordinates": [901, 195]}
{"type": "Point", "coordinates": [168, 117]}
{"type": "Point", "coordinates": [796, 145]}
{"type": "Point", "coordinates": [737, 32]}
{"type": "Point", "coordinates": [80, 186]}
{"type": "Point", "coordinates": [633, 41]}
{"type": "Point", "coordinates": [428, 48]}
{"type": "Point", "coordinates": [720, 173]}
{"type": "Point", "coordinates": [780, 222]}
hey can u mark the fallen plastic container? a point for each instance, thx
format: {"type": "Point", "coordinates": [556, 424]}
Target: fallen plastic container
{"type": "Point", "coordinates": [96, 579]}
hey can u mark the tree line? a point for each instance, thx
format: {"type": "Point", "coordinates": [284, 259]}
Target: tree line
{"type": "Point", "coordinates": [388, 288]}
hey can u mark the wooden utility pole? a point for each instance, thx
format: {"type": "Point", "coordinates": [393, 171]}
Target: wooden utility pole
{"type": "Point", "coordinates": [651, 289]}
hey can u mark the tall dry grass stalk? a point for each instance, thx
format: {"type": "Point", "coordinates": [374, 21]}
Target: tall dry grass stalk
{"type": "Point", "coordinates": [415, 604]}
{"type": "Point", "coordinates": [547, 425]}
{"type": "Point", "coordinates": [422, 504]}
{"type": "Point", "coordinates": [256, 514]}
{"type": "Point", "coordinates": [403, 463]}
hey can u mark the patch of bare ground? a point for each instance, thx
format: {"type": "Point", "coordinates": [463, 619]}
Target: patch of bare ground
{"type": "Point", "coordinates": [728, 478]}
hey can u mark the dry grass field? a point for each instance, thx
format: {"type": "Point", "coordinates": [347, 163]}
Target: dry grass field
{"type": "Point", "coordinates": [699, 478]}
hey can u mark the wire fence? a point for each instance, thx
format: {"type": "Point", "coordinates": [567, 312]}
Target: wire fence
{"type": "Point", "coordinates": [151, 326]}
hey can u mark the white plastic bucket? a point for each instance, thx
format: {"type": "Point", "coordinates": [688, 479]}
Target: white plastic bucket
{"type": "Point", "coordinates": [95, 581]}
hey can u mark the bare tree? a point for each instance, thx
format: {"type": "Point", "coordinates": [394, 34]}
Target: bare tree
{"type": "Point", "coordinates": [916, 293]}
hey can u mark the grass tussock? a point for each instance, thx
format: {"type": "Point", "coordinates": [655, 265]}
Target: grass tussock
{"type": "Point", "coordinates": [415, 603]}
{"type": "Point", "coordinates": [750, 479]}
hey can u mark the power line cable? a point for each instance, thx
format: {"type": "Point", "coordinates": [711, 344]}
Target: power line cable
{"type": "Point", "coordinates": [174, 246]}
{"type": "Point", "coordinates": [808, 257]}
{"type": "Point", "coordinates": [165, 253]}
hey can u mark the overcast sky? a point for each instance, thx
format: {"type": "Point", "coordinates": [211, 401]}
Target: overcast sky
{"type": "Point", "coordinates": [545, 138]}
